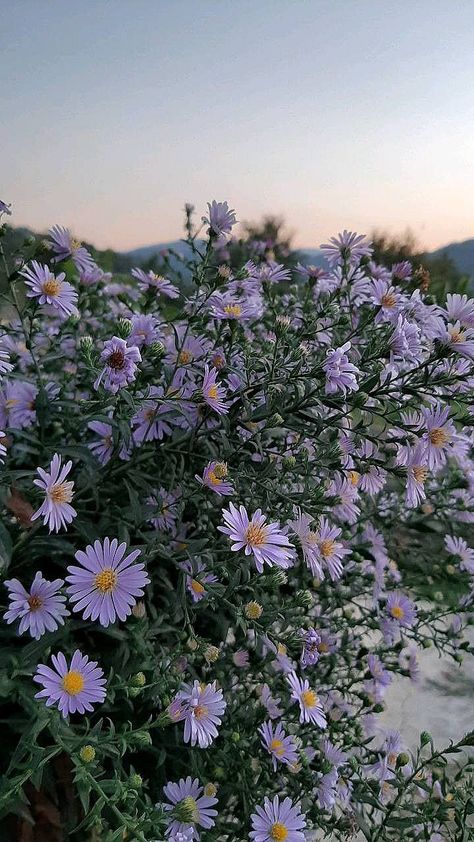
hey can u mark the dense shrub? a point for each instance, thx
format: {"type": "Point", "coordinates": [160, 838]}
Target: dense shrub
{"type": "Point", "coordinates": [220, 509]}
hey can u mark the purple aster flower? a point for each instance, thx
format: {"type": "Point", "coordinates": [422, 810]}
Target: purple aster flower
{"type": "Point", "coordinates": [405, 342]}
{"type": "Point", "coordinates": [402, 271]}
{"type": "Point", "coordinates": [188, 808]}
{"type": "Point", "coordinates": [64, 246]}
{"type": "Point", "coordinates": [152, 421]}
{"type": "Point", "coordinates": [281, 747]}
{"type": "Point", "coordinates": [270, 703]}
{"type": "Point", "coordinates": [120, 364]}
{"type": "Point", "coordinates": [144, 330]}
{"type": "Point", "coordinates": [415, 461]}
{"type": "Point", "coordinates": [164, 501]}
{"type": "Point", "coordinates": [106, 584]}
{"type": "Point", "coordinates": [273, 272]}
{"type": "Point", "coordinates": [201, 707]}
{"type": "Point", "coordinates": [347, 247]}
{"type": "Point", "coordinates": [56, 296]}
{"type": "Point", "coordinates": [401, 609]}
{"type": "Point", "coordinates": [229, 307]}
{"type": "Point", "coordinates": [326, 791]}
{"type": "Point", "coordinates": [5, 365]}
{"type": "Point", "coordinates": [310, 653]}
{"type": "Point", "coordinates": [214, 477]}
{"type": "Point", "coordinates": [56, 510]}
{"type": "Point", "coordinates": [311, 709]}
{"type": "Point", "coordinates": [241, 658]}
{"type": "Point", "coordinates": [378, 671]}
{"type": "Point", "coordinates": [461, 340]}
{"type": "Point", "coordinates": [275, 822]}
{"type": "Point", "coordinates": [388, 298]}
{"type": "Point", "coordinates": [159, 284]}
{"type": "Point", "coordinates": [333, 754]}
{"type": "Point", "coordinates": [330, 552]}
{"type": "Point", "coordinates": [40, 610]}
{"type": "Point", "coordinates": [459, 548]}
{"type": "Point", "coordinates": [213, 394]}
{"type": "Point", "coordinates": [220, 219]}
{"type": "Point", "coordinates": [74, 688]}
{"type": "Point", "coordinates": [340, 373]}
{"type": "Point", "coordinates": [308, 541]}
{"type": "Point", "coordinates": [4, 208]}
{"type": "Point", "coordinates": [438, 435]}
{"type": "Point", "coordinates": [93, 275]}
{"type": "Point", "coordinates": [460, 308]}
{"type": "Point", "coordinates": [103, 447]}
{"type": "Point", "coordinates": [18, 404]}
{"type": "Point", "coordinates": [266, 541]}
{"type": "Point", "coordinates": [197, 578]}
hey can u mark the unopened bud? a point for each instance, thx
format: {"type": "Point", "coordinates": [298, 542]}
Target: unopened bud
{"type": "Point", "coordinates": [87, 753]}
{"type": "Point", "coordinates": [135, 781]}
{"type": "Point", "coordinates": [402, 759]}
{"type": "Point", "coordinates": [124, 328]}
{"type": "Point", "coordinates": [139, 610]}
{"type": "Point", "coordinates": [211, 654]}
{"type": "Point", "coordinates": [304, 598]}
{"type": "Point", "coordinates": [138, 680]}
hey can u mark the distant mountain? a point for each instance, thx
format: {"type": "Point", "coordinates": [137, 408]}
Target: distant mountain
{"type": "Point", "coordinates": [462, 255]}
{"type": "Point", "coordinates": [144, 253]}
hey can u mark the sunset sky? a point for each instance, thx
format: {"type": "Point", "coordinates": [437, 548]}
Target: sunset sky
{"type": "Point", "coordinates": [340, 114]}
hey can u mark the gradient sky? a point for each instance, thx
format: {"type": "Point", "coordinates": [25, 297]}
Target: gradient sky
{"type": "Point", "coordinates": [345, 113]}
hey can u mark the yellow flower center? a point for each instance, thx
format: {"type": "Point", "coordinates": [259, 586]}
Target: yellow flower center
{"type": "Point", "coordinates": [397, 612]}
{"type": "Point", "coordinates": [52, 286]}
{"type": "Point", "coordinates": [438, 436]}
{"type": "Point", "coordinates": [309, 698]}
{"type": "Point", "coordinates": [389, 299]}
{"type": "Point", "coordinates": [75, 245]}
{"type": "Point", "coordinates": [11, 402]}
{"type": "Point", "coordinates": [218, 361]}
{"type": "Point", "coordinates": [277, 747]}
{"type": "Point", "coordinates": [196, 586]}
{"type": "Point", "coordinates": [420, 473]}
{"type": "Point", "coordinates": [327, 547]}
{"type": "Point", "coordinates": [212, 392]}
{"type": "Point", "coordinates": [150, 414]}
{"type": "Point", "coordinates": [106, 580]}
{"type": "Point", "coordinates": [253, 610]}
{"type": "Point", "coordinates": [73, 683]}
{"type": "Point", "coordinates": [233, 310]}
{"type": "Point", "coordinates": [200, 711]}
{"type": "Point", "coordinates": [34, 602]}
{"type": "Point", "coordinates": [220, 470]}
{"type": "Point", "coordinates": [457, 335]}
{"type": "Point", "coordinates": [279, 832]}
{"type": "Point", "coordinates": [353, 477]}
{"type": "Point", "coordinates": [255, 535]}
{"type": "Point", "coordinates": [185, 357]}
{"type": "Point", "coordinates": [213, 479]}
{"type": "Point", "coordinates": [322, 647]}
{"type": "Point", "coordinates": [62, 492]}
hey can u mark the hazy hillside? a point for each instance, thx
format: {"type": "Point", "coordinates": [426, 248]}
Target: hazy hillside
{"type": "Point", "coordinates": [462, 255]}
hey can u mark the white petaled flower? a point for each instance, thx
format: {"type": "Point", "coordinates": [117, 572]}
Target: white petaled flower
{"type": "Point", "coordinates": [56, 510]}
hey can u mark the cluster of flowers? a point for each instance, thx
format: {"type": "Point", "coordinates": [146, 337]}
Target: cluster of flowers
{"type": "Point", "coordinates": [286, 448]}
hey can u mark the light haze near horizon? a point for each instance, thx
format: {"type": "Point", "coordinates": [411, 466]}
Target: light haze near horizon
{"type": "Point", "coordinates": [333, 114]}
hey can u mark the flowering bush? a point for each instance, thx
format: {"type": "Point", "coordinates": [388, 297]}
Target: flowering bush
{"type": "Point", "coordinates": [226, 510]}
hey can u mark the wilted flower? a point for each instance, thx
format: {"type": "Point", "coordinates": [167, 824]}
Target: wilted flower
{"type": "Point", "coordinates": [120, 364]}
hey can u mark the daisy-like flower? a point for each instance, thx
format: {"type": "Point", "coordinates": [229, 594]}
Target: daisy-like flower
{"type": "Point", "coordinates": [265, 541]}
{"type": "Point", "coordinates": [120, 364]}
{"type": "Point", "coordinates": [341, 375]}
{"type": "Point", "coordinates": [460, 308]}
{"type": "Point", "coordinates": [459, 548]}
{"type": "Point", "coordinates": [72, 688]}
{"type": "Point", "coordinates": [157, 283]}
{"type": "Point", "coordinates": [40, 610]}
{"type": "Point", "coordinates": [214, 477]}
{"type": "Point", "coordinates": [18, 404]}
{"type": "Point", "coordinates": [56, 296]}
{"type": "Point", "coordinates": [330, 552]}
{"type": "Point", "coordinates": [347, 247]}
{"type": "Point", "coordinates": [378, 671]}
{"type": "Point", "coordinates": [201, 707]}
{"type": "Point", "coordinates": [197, 578]}
{"type": "Point", "coordinates": [461, 340]}
{"type": "Point", "coordinates": [188, 808]}
{"type": "Point", "coordinates": [144, 330]}
{"type": "Point", "coordinates": [415, 461]}
{"type": "Point", "coordinates": [164, 501]}
{"type": "Point", "coordinates": [64, 245]}
{"type": "Point", "coordinates": [326, 790]}
{"type": "Point", "coordinates": [56, 510]}
{"type": "Point", "coordinates": [152, 421]}
{"type": "Point", "coordinates": [5, 365]}
{"type": "Point", "coordinates": [107, 583]}
{"type": "Point", "coordinates": [311, 641]}
{"type": "Point", "coordinates": [280, 746]}
{"type": "Point", "coordinates": [230, 308]}
{"type": "Point", "coordinates": [102, 448]}
{"type": "Point", "coordinates": [401, 608]}
{"type": "Point", "coordinates": [270, 703]}
{"type": "Point", "coordinates": [308, 541]}
{"type": "Point", "coordinates": [220, 218]}
{"type": "Point", "coordinates": [213, 394]}
{"type": "Point", "coordinates": [311, 709]}
{"type": "Point", "coordinates": [438, 435]}
{"type": "Point", "coordinates": [278, 822]}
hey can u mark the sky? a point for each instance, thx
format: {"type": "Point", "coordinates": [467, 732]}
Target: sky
{"type": "Point", "coordinates": [351, 114]}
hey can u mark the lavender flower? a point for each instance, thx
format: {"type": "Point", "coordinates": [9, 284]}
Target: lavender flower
{"type": "Point", "coordinates": [267, 543]}
{"type": "Point", "coordinates": [326, 791]}
{"type": "Point", "coordinates": [3, 449]}
{"type": "Point", "coordinates": [55, 295]}
{"type": "Point", "coordinates": [5, 365]}
{"type": "Point", "coordinates": [40, 610]}
{"type": "Point", "coordinates": [120, 365]}
{"type": "Point", "coordinates": [310, 653]}
{"type": "Point", "coordinates": [220, 219]}
{"type": "Point", "coordinates": [18, 404]}
{"type": "Point", "coordinates": [157, 283]}
{"type": "Point", "coordinates": [106, 584]}
{"type": "Point", "coordinates": [188, 807]}
{"type": "Point", "coordinates": [56, 510]}
{"type": "Point", "coordinates": [278, 822]}
{"type": "Point", "coordinates": [460, 308]}
{"type": "Point", "coordinates": [347, 247]}
{"type": "Point", "coordinates": [438, 435]}
{"type": "Point", "coordinates": [311, 709]}
{"type": "Point", "coordinates": [271, 704]}
{"type": "Point", "coordinates": [144, 330]}
{"type": "Point", "coordinates": [341, 375]}
{"type": "Point", "coordinates": [201, 707]}
{"type": "Point", "coordinates": [64, 246]}
{"type": "Point", "coordinates": [213, 395]}
{"type": "Point", "coordinates": [197, 579]}
{"type": "Point", "coordinates": [76, 688]}
{"type": "Point", "coordinates": [458, 547]}
{"type": "Point", "coordinates": [402, 609]}
{"type": "Point", "coordinates": [281, 747]}
{"type": "Point", "coordinates": [103, 447]}
{"type": "Point", "coordinates": [214, 477]}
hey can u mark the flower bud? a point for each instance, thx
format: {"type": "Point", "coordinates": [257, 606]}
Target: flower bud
{"type": "Point", "coordinates": [124, 328]}
{"type": "Point", "coordinates": [86, 344]}
{"type": "Point", "coordinates": [139, 610]}
{"type": "Point", "coordinates": [211, 654]}
{"type": "Point", "coordinates": [142, 738]}
{"type": "Point", "coordinates": [157, 349]}
{"type": "Point", "coordinates": [138, 680]}
{"type": "Point", "coordinates": [425, 738]}
{"type": "Point", "coordinates": [210, 790]}
{"type": "Point", "coordinates": [304, 598]}
{"type": "Point", "coordinates": [87, 753]}
{"type": "Point", "coordinates": [289, 462]}
{"type": "Point", "coordinates": [253, 610]}
{"type": "Point", "coordinates": [135, 781]}
{"type": "Point", "coordinates": [402, 759]}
